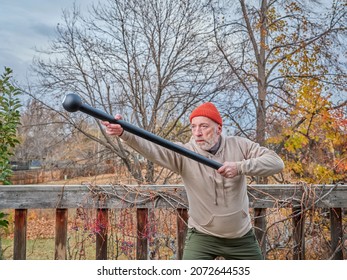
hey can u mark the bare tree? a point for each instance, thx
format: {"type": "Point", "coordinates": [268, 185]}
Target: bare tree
{"type": "Point", "coordinates": [45, 137]}
{"type": "Point", "coordinates": [149, 60]}
{"type": "Point", "coordinates": [261, 41]}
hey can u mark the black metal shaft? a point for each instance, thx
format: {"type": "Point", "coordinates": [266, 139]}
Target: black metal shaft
{"type": "Point", "coordinates": [73, 103]}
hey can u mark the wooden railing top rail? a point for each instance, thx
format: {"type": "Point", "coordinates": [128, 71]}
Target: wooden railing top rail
{"type": "Point", "coordinates": [162, 196]}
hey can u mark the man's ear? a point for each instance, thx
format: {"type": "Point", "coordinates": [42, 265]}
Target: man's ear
{"type": "Point", "coordinates": [219, 131]}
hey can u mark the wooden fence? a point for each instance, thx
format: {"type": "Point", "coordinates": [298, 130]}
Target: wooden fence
{"type": "Point", "coordinates": [300, 198]}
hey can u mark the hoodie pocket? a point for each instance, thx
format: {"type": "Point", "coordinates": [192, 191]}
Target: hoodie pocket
{"type": "Point", "coordinates": [230, 224]}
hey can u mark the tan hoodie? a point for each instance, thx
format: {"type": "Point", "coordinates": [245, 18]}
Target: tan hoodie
{"type": "Point", "coordinates": [217, 206]}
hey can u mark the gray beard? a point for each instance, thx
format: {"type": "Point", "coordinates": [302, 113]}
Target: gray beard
{"type": "Point", "coordinates": [215, 148]}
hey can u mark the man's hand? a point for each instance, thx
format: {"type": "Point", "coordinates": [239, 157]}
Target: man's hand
{"type": "Point", "coordinates": [113, 129]}
{"type": "Point", "coordinates": [228, 170]}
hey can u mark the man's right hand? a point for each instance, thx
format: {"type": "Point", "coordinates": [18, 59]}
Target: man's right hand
{"type": "Point", "coordinates": [113, 129]}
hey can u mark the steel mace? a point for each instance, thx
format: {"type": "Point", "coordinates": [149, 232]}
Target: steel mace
{"type": "Point", "coordinates": [72, 103]}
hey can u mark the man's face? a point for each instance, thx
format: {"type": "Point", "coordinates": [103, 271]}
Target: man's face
{"type": "Point", "coordinates": [206, 132]}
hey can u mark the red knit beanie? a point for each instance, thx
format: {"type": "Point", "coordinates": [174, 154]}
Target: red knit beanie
{"type": "Point", "coordinates": [207, 110]}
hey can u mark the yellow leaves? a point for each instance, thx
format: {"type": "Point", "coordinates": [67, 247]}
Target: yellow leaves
{"type": "Point", "coordinates": [309, 99]}
{"type": "Point", "coordinates": [273, 22]}
{"type": "Point", "coordinates": [279, 39]}
{"type": "Point", "coordinates": [295, 166]}
{"type": "Point", "coordinates": [323, 174]}
{"type": "Point", "coordinates": [293, 7]}
{"type": "Point", "coordinates": [277, 140]}
{"type": "Point", "coordinates": [295, 142]}
{"type": "Point", "coordinates": [312, 135]}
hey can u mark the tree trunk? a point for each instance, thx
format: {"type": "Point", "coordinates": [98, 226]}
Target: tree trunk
{"type": "Point", "coordinates": [150, 172]}
{"type": "Point", "coordinates": [262, 83]}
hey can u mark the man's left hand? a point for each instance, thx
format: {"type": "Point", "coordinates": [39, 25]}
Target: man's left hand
{"type": "Point", "coordinates": [228, 170]}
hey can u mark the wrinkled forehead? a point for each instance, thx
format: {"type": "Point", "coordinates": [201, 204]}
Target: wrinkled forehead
{"type": "Point", "coordinates": [199, 120]}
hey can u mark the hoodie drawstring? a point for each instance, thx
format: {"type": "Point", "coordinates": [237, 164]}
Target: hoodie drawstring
{"type": "Point", "coordinates": [215, 185]}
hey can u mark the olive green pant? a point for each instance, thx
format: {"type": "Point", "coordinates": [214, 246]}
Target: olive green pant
{"type": "Point", "coordinates": [200, 246]}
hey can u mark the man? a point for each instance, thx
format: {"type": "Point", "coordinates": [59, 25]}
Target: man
{"type": "Point", "coordinates": [219, 222]}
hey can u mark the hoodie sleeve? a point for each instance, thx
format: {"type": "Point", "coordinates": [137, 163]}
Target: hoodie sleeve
{"type": "Point", "coordinates": [258, 160]}
{"type": "Point", "coordinates": [154, 152]}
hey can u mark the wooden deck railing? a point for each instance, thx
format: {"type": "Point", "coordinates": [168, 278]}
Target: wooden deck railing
{"type": "Point", "coordinates": [298, 197]}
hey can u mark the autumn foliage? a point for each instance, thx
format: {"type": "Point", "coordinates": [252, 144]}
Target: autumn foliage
{"type": "Point", "coordinates": [313, 138]}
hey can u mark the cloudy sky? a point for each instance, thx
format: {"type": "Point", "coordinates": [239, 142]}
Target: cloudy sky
{"type": "Point", "coordinates": [26, 24]}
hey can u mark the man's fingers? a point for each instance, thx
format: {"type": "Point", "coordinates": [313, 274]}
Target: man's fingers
{"type": "Point", "coordinates": [118, 117]}
{"type": "Point", "coordinates": [221, 169]}
{"type": "Point", "coordinates": [228, 170]}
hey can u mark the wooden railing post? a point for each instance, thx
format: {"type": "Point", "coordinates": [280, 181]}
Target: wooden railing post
{"type": "Point", "coordinates": [182, 218]}
{"type": "Point", "coordinates": [101, 234]}
{"type": "Point", "coordinates": [260, 221]}
{"type": "Point", "coordinates": [260, 228]}
{"type": "Point", "coordinates": [61, 218]}
{"type": "Point", "coordinates": [336, 233]}
{"type": "Point", "coordinates": [142, 234]}
{"type": "Point", "coordinates": [298, 233]}
{"type": "Point", "coordinates": [20, 234]}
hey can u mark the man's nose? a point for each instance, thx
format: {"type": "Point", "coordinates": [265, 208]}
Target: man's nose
{"type": "Point", "coordinates": [198, 132]}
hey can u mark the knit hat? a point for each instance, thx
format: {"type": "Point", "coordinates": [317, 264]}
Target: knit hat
{"type": "Point", "coordinates": [207, 110]}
